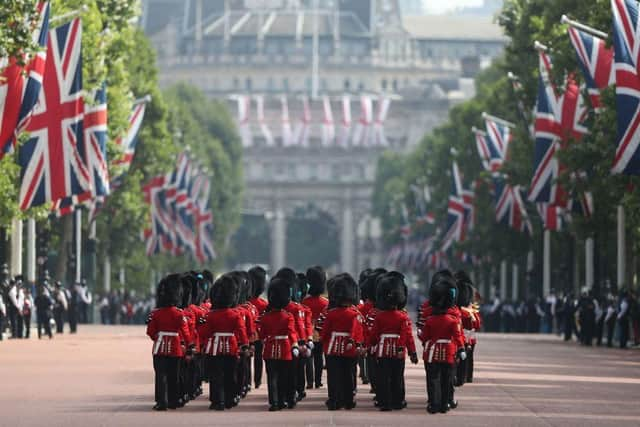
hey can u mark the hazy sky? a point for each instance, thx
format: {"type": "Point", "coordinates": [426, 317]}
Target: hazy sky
{"type": "Point", "coordinates": [441, 6]}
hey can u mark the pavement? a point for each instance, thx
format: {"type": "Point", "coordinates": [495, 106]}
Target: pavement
{"type": "Point", "coordinates": [103, 377]}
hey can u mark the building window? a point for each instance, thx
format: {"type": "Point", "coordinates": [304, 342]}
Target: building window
{"type": "Point", "coordinates": [347, 84]}
{"type": "Point", "coordinates": [384, 84]}
{"type": "Point", "coordinates": [236, 83]}
{"type": "Point", "coordinates": [323, 85]}
{"type": "Point", "coordinates": [395, 85]}
{"type": "Point", "coordinates": [360, 86]}
{"type": "Point", "coordinates": [285, 84]}
{"type": "Point", "coordinates": [248, 84]}
{"type": "Point", "coordinates": [270, 84]}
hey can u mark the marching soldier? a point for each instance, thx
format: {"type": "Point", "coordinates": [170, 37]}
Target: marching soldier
{"type": "Point", "coordinates": [224, 337]}
{"type": "Point", "coordinates": [317, 303]}
{"type": "Point", "coordinates": [169, 330]}
{"type": "Point", "coordinates": [258, 278]}
{"type": "Point", "coordinates": [342, 341]}
{"type": "Point", "coordinates": [391, 338]}
{"type": "Point", "coordinates": [279, 336]}
{"type": "Point", "coordinates": [60, 307]}
{"type": "Point", "coordinates": [443, 342]}
{"type": "Point", "coordinates": [43, 304]}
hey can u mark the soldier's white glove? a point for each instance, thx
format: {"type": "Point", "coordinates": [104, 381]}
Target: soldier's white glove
{"type": "Point", "coordinates": [295, 352]}
{"type": "Point", "coordinates": [310, 345]}
{"type": "Point", "coordinates": [463, 355]}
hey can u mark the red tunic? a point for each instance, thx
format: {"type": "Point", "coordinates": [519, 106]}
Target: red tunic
{"type": "Point", "coordinates": [224, 332]}
{"type": "Point", "coordinates": [471, 323]}
{"type": "Point", "coordinates": [442, 337]}
{"type": "Point", "coordinates": [391, 334]}
{"type": "Point", "coordinates": [251, 313]}
{"type": "Point", "coordinates": [169, 329]}
{"type": "Point", "coordinates": [317, 305]}
{"type": "Point", "coordinates": [299, 315]}
{"type": "Point", "coordinates": [278, 333]}
{"type": "Point", "coordinates": [342, 332]}
{"type": "Point", "coordinates": [260, 304]}
{"type": "Point", "coordinates": [366, 307]}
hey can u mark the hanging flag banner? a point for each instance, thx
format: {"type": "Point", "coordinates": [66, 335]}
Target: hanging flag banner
{"type": "Point", "coordinates": [264, 128]}
{"type": "Point", "coordinates": [345, 128]}
{"type": "Point", "coordinates": [287, 132]}
{"type": "Point", "coordinates": [328, 126]}
{"type": "Point", "coordinates": [379, 137]}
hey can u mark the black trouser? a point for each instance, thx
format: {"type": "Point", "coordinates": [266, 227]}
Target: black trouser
{"type": "Point", "coordinates": [292, 376]}
{"type": "Point", "coordinates": [301, 382]}
{"type": "Point", "coordinates": [611, 327]}
{"type": "Point", "coordinates": [599, 331]}
{"type": "Point", "coordinates": [341, 379]}
{"type": "Point", "coordinates": [244, 374]}
{"type": "Point", "coordinates": [257, 364]}
{"type": "Point", "coordinates": [317, 364]}
{"type": "Point", "coordinates": [44, 322]}
{"type": "Point", "coordinates": [469, 361]}
{"type": "Point", "coordinates": [58, 315]}
{"type": "Point", "coordinates": [222, 379]}
{"type": "Point", "coordinates": [278, 372]}
{"type": "Point", "coordinates": [27, 325]}
{"type": "Point", "coordinates": [390, 386]}
{"type": "Point", "coordinates": [15, 318]}
{"type": "Point", "coordinates": [460, 373]}
{"type": "Point", "coordinates": [167, 373]}
{"type": "Point", "coordinates": [362, 367]}
{"type": "Point", "coordinates": [1, 326]}
{"type": "Point", "coordinates": [439, 384]}
{"type": "Point", "coordinates": [371, 370]}
{"type": "Point", "coordinates": [73, 319]}
{"type": "Point", "coordinates": [624, 331]}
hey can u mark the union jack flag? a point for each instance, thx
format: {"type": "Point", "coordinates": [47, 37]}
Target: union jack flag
{"type": "Point", "coordinates": [510, 208]}
{"type": "Point", "coordinates": [52, 168]}
{"type": "Point", "coordinates": [456, 213]}
{"type": "Point", "coordinates": [595, 61]}
{"type": "Point", "coordinates": [552, 216]}
{"type": "Point", "coordinates": [499, 137]}
{"type": "Point", "coordinates": [19, 94]}
{"type": "Point", "coordinates": [129, 141]}
{"type": "Point", "coordinates": [484, 149]}
{"type": "Point", "coordinates": [558, 117]}
{"type": "Point", "coordinates": [626, 41]}
{"type": "Point", "coordinates": [93, 151]}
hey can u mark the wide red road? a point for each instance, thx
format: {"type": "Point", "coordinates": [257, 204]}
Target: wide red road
{"type": "Point", "coordinates": [103, 377]}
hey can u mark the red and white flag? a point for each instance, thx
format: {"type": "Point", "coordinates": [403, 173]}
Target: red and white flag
{"type": "Point", "coordinates": [328, 126]}
{"type": "Point", "coordinates": [345, 125]}
{"type": "Point", "coordinates": [287, 132]}
{"type": "Point", "coordinates": [264, 128]}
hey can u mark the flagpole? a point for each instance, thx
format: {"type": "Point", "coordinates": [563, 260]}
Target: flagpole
{"type": "Point", "coordinates": [514, 282]}
{"type": "Point", "coordinates": [546, 264]}
{"type": "Point", "coordinates": [31, 251]}
{"type": "Point", "coordinates": [478, 131]}
{"type": "Point", "coordinates": [145, 99]}
{"type": "Point", "coordinates": [621, 248]}
{"type": "Point", "coordinates": [78, 244]}
{"type": "Point", "coordinates": [588, 262]}
{"type": "Point", "coordinates": [539, 46]}
{"type": "Point", "coordinates": [487, 116]}
{"type": "Point", "coordinates": [16, 247]}
{"type": "Point", "coordinates": [565, 20]}
{"type": "Point", "coordinates": [503, 280]}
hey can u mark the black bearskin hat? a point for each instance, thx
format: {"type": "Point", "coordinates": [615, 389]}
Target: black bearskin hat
{"type": "Point", "coordinates": [343, 291]}
{"type": "Point", "coordinates": [370, 284]}
{"type": "Point", "coordinates": [187, 289]}
{"type": "Point", "coordinates": [224, 292]}
{"type": "Point", "coordinates": [442, 292]}
{"type": "Point", "coordinates": [391, 291]}
{"type": "Point", "coordinates": [259, 279]}
{"type": "Point", "coordinates": [279, 293]}
{"type": "Point", "coordinates": [287, 274]}
{"type": "Point", "coordinates": [169, 291]}
{"type": "Point", "coordinates": [245, 290]}
{"type": "Point", "coordinates": [362, 280]}
{"type": "Point", "coordinates": [302, 287]}
{"type": "Point", "coordinates": [465, 289]}
{"type": "Point", "coordinates": [317, 280]}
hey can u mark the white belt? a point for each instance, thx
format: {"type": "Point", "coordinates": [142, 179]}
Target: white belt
{"type": "Point", "coordinates": [333, 339]}
{"type": "Point", "coordinates": [280, 337]}
{"type": "Point", "coordinates": [433, 347]}
{"type": "Point", "coordinates": [216, 340]}
{"type": "Point", "coordinates": [384, 337]}
{"type": "Point", "coordinates": [161, 335]}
